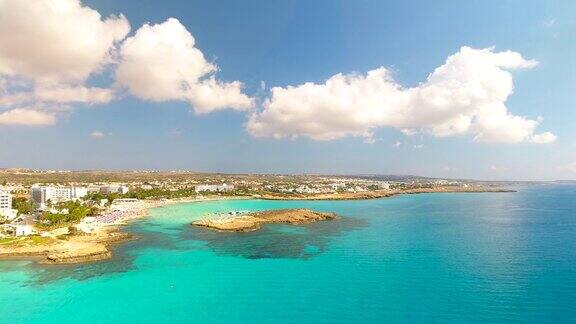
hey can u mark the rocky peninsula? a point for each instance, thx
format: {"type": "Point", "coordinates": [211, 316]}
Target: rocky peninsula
{"type": "Point", "coordinates": [254, 221]}
{"type": "Point", "coordinates": [66, 248]}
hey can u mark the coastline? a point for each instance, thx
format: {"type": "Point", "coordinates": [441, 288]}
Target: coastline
{"type": "Point", "coordinates": [386, 193]}
{"type": "Point", "coordinates": [89, 247]}
{"type": "Point", "coordinates": [98, 244]}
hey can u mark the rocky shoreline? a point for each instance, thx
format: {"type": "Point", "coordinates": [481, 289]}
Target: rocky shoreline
{"type": "Point", "coordinates": [383, 193]}
{"type": "Point", "coordinates": [72, 249]}
{"type": "Point", "coordinates": [254, 221]}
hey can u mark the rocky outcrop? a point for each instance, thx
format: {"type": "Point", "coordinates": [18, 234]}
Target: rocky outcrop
{"type": "Point", "coordinates": [93, 252]}
{"type": "Point", "coordinates": [72, 249]}
{"type": "Point", "coordinates": [254, 221]}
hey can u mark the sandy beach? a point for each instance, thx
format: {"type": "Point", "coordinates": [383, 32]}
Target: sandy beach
{"type": "Point", "coordinates": [141, 209]}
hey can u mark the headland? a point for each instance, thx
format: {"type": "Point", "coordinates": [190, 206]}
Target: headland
{"type": "Point", "coordinates": [253, 221]}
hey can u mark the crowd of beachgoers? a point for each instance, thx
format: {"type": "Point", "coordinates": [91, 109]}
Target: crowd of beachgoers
{"type": "Point", "coordinates": [140, 209]}
{"type": "Point", "coordinates": [118, 216]}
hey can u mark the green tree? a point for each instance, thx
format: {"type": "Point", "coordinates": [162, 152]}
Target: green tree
{"type": "Point", "coordinates": [373, 187]}
{"type": "Point", "coordinates": [22, 205]}
{"type": "Point", "coordinates": [76, 212]}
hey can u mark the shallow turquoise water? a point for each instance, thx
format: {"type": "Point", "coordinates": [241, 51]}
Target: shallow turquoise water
{"type": "Point", "coordinates": [492, 257]}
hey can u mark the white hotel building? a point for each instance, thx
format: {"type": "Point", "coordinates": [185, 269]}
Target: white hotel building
{"type": "Point", "coordinates": [114, 188]}
{"type": "Point", "coordinates": [6, 211]}
{"type": "Point", "coordinates": [214, 188]}
{"type": "Point", "coordinates": [109, 188]}
{"type": "Point", "coordinates": [42, 194]}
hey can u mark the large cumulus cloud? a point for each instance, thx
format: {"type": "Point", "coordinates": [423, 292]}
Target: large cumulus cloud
{"type": "Point", "coordinates": [48, 49]}
{"type": "Point", "coordinates": [160, 62]}
{"type": "Point", "coordinates": [466, 95]}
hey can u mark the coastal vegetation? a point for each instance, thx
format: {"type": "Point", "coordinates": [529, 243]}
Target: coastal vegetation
{"type": "Point", "coordinates": [69, 212]}
{"type": "Point", "coordinates": [22, 241]}
{"type": "Point", "coordinates": [22, 205]}
{"type": "Point", "coordinates": [97, 196]}
{"type": "Point", "coordinates": [159, 193]}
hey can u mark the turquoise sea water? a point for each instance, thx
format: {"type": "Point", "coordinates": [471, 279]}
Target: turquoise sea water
{"type": "Point", "coordinates": [490, 257]}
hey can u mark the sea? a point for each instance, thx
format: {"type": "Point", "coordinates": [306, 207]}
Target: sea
{"type": "Point", "coordinates": [432, 258]}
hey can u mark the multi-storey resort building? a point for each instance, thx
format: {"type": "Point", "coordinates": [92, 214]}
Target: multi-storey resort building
{"type": "Point", "coordinates": [6, 211]}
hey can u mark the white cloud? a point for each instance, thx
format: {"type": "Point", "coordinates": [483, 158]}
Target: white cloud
{"type": "Point", "coordinates": [89, 95]}
{"type": "Point", "coordinates": [55, 41]}
{"type": "Point", "coordinates": [49, 48]}
{"type": "Point", "coordinates": [97, 135]}
{"type": "Point", "coordinates": [466, 95]}
{"type": "Point", "coordinates": [59, 94]}
{"type": "Point", "coordinates": [409, 131]}
{"type": "Point", "coordinates": [26, 117]}
{"type": "Point", "coordinates": [12, 99]}
{"type": "Point", "coordinates": [160, 63]}
{"type": "Point", "coordinates": [543, 138]}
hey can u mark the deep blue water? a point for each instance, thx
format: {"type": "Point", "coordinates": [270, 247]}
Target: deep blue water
{"type": "Point", "coordinates": [487, 257]}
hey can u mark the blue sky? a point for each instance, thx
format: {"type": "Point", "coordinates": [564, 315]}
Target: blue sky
{"type": "Point", "coordinates": [288, 43]}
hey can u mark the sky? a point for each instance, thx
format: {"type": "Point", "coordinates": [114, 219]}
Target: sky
{"type": "Point", "coordinates": [476, 89]}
